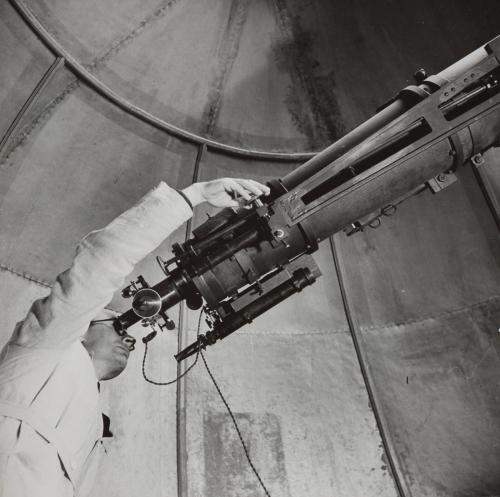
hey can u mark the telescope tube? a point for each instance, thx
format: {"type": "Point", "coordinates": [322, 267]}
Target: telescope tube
{"type": "Point", "coordinates": [404, 101]}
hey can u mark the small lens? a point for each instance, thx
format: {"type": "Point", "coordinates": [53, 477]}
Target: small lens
{"type": "Point", "coordinates": [146, 303]}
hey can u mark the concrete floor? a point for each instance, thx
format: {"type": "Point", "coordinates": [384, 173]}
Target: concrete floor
{"type": "Point", "coordinates": [416, 364]}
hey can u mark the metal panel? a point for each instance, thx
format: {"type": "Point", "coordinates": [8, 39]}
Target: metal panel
{"type": "Point", "coordinates": [424, 293]}
{"type": "Point", "coordinates": [280, 75]}
{"type": "Point", "coordinates": [438, 385]}
{"type": "Point", "coordinates": [302, 408]}
{"type": "Point", "coordinates": [75, 172]}
{"type": "Point", "coordinates": [437, 253]}
{"type": "Point", "coordinates": [89, 30]}
{"type": "Point", "coordinates": [488, 174]}
{"type": "Point", "coordinates": [190, 86]}
{"type": "Point", "coordinates": [23, 60]}
{"type": "Point", "coordinates": [81, 71]}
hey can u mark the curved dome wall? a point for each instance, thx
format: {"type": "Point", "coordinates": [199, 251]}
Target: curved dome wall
{"type": "Point", "coordinates": [267, 75]}
{"type": "Point", "coordinates": [378, 380]}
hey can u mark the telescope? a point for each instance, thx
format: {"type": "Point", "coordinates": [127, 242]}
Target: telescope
{"type": "Point", "coordinates": [241, 263]}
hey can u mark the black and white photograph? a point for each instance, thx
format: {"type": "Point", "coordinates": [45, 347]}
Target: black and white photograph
{"type": "Point", "coordinates": [249, 248]}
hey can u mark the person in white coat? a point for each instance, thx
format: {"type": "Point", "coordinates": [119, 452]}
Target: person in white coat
{"type": "Point", "coordinates": [51, 421]}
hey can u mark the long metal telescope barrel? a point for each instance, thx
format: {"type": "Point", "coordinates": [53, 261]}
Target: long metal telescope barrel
{"type": "Point", "coordinates": [378, 121]}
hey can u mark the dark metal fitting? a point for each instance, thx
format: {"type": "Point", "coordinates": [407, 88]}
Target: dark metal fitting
{"type": "Point", "coordinates": [128, 292]}
{"type": "Point", "coordinates": [309, 276]}
{"type": "Point", "coordinates": [419, 75]}
{"type": "Point", "coordinates": [277, 189]}
{"type": "Point", "coordinates": [247, 317]}
{"type": "Point", "coordinates": [413, 94]}
{"type": "Point", "coordinates": [168, 323]}
{"type": "Point", "coordinates": [493, 46]}
{"type": "Point", "coordinates": [354, 227]}
{"type": "Point", "coordinates": [388, 210]}
{"type": "Point", "coordinates": [435, 82]}
{"type": "Point", "coordinates": [477, 160]}
{"type": "Point", "coordinates": [134, 287]}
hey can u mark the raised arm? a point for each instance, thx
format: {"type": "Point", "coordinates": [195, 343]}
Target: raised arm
{"type": "Point", "coordinates": [105, 257]}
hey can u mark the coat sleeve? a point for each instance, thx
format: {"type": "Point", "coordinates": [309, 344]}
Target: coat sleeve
{"type": "Point", "coordinates": [103, 259]}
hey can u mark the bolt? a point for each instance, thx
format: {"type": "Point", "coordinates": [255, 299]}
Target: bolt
{"type": "Point", "coordinates": [441, 178]}
{"type": "Point", "coordinates": [477, 160]}
{"type": "Point", "coordinates": [279, 233]}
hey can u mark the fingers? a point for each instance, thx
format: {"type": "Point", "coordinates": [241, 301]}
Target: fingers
{"type": "Point", "coordinates": [226, 192]}
{"type": "Point", "coordinates": [254, 187]}
{"type": "Point", "coordinates": [248, 189]}
{"type": "Point", "coordinates": [238, 189]}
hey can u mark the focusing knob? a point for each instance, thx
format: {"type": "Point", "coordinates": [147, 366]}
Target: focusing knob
{"type": "Point", "coordinates": [419, 75]}
{"type": "Point", "coordinates": [168, 323]}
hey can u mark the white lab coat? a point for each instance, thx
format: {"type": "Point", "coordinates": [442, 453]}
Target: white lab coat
{"type": "Point", "coordinates": [50, 417]}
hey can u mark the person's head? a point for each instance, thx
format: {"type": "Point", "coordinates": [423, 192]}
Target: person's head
{"type": "Point", "coordinates": [108, 350]}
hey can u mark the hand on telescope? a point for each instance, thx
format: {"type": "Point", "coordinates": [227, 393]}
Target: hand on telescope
{"type": "Point", "coordinates": [225, 192]}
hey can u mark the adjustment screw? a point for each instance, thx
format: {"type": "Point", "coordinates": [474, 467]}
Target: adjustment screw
{"type": "Point", "coordinates": [420, 75]}
{"type": "Point", "coordinates": [477, 160]}
{"type": "Point", "coordinates": [128, 292]}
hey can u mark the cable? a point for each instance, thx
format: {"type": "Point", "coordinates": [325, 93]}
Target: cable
{"type": "Point", "coordinates": [159, 383]}
{"type": "Point", "coordinates": [198, 353]}
{"type": "Point", "coordinates": [235, 426]}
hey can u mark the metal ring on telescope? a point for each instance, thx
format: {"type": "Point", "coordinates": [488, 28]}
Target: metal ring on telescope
{"type": "Point", "coordinates": [146, 303]}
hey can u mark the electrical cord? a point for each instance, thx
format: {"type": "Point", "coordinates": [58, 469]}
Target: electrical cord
{"type": "Point", "coordinates": [237, 428]}
{"type": "Point", "coordinates": [159, 383]}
